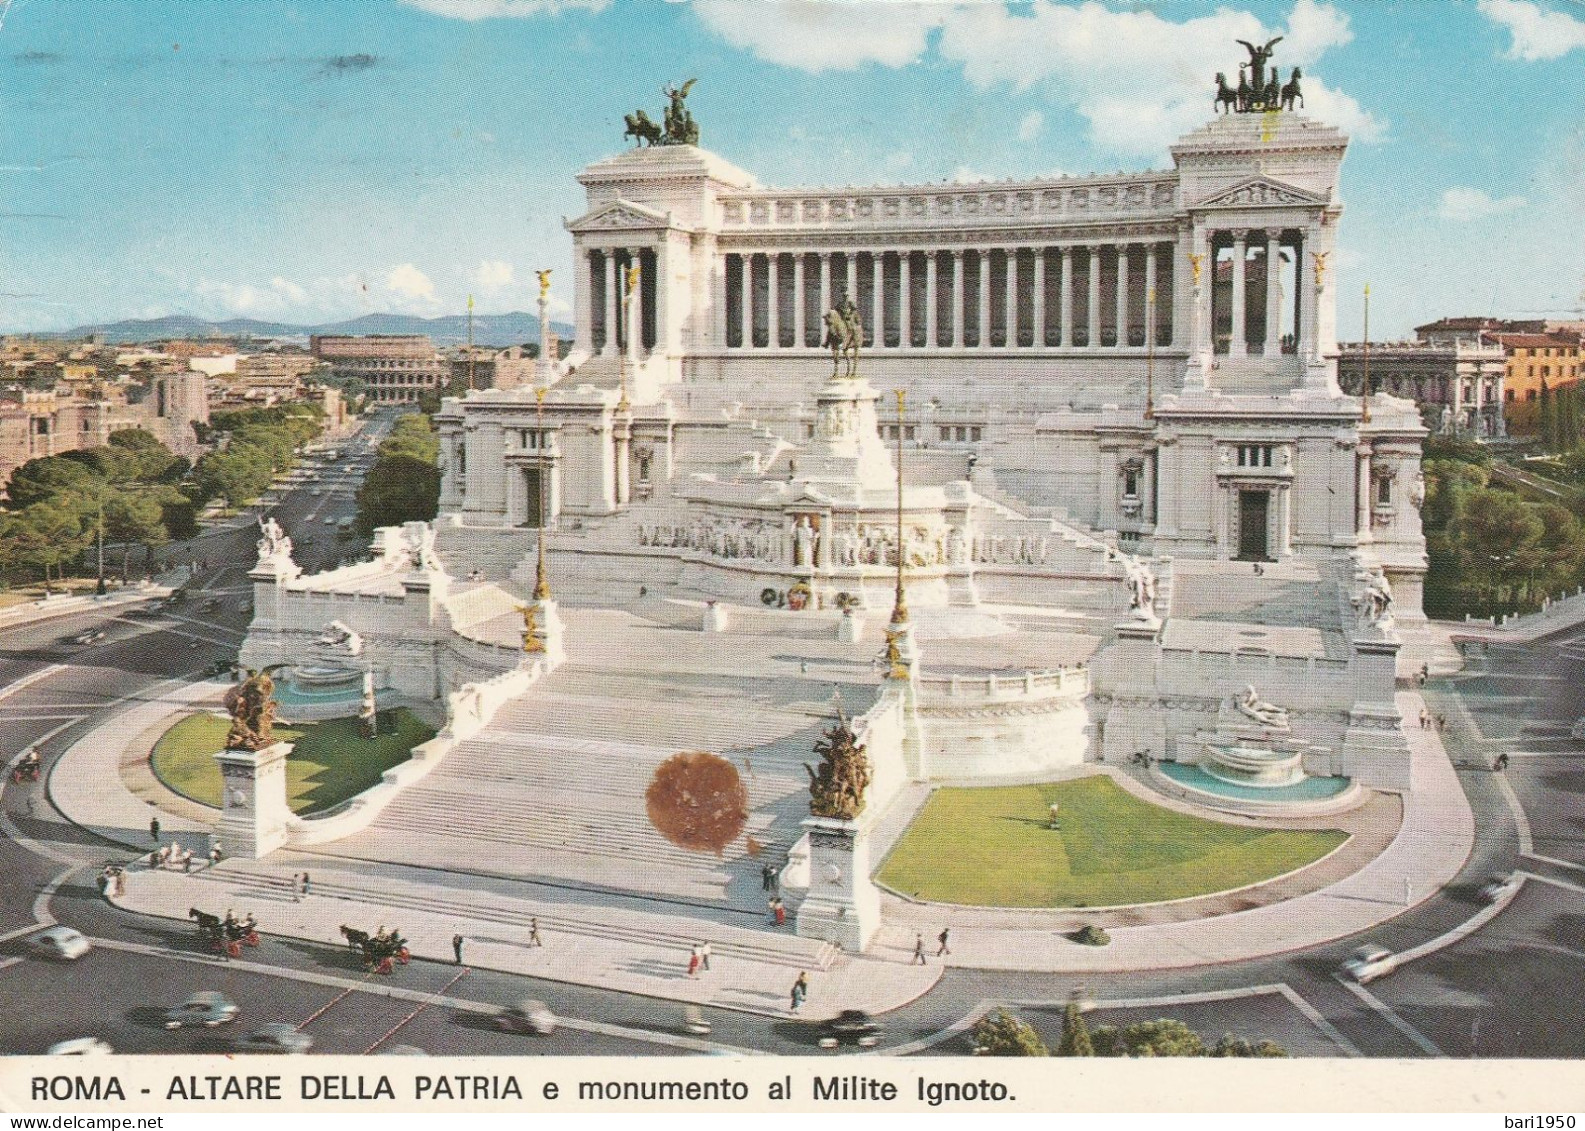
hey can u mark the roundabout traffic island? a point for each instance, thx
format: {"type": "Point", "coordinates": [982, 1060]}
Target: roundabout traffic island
{"type": "Point", "coordinates": [999, 846]}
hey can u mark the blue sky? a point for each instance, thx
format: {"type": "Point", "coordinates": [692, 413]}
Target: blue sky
{"type": "Point", "coordinates": [308, 160]}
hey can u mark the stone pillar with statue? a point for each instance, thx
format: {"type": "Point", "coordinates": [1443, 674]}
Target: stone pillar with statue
{"type": "Point", "coordinates": [842, 905]}
{"type": "Point", "coordinates": [253, 814]}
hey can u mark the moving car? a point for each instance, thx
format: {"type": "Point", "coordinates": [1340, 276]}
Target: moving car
{"type": "Point", "coordinates": [850, 1027]}
{"type": "Point", "coordinates": [1370, 962]}
{"type": "Point", "coordinates": [277, 1037]}
{"type": "Point", "coordinates": [90, 636]}
{"type": "Point", "coordinates": [59, 942]}
{"type": "Point", "coordinates": [1499, 888]}
{"type": "Point", "coordinates": [527, 1017]}
{"type": "Point", "coordinates": [81, 1046]}
{"type": "Point", "coordinates": [206, 1008]}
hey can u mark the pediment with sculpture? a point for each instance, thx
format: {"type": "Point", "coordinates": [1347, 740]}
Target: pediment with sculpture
{"type": "Point", "coordinates": [1262, 192]}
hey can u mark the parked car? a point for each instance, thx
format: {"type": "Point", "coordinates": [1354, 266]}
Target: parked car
{"type": "Point", "coordinates": [527, 1017]}
{"type": "Point", "coordinates": [850, 1027]}
{"type": "Point", "coordinates": [206, 1008]}
{"type": "Point", "coordinates": [1370, 962]}
{"type": "Point", "coordinates": [276, 1037]}
{"type": "Point", "coordinates": [81, 1046]}
{"type": "Point", "coordinates": [1499, 888]}
{"type": "Point", "coordinates": [91, 636]}
{"type": "Point", "coordinates": [60, 943]}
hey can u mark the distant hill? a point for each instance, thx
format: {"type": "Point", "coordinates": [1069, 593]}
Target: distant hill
{"type": "Point", "coordinates": [447, 330]}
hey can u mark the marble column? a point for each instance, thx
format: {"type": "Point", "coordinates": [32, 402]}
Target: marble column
{"type": "Point", "coordinates": [825, 283]}
{"type": "Point", "coordinates": [773, 300]}
{"type": "Point", "coordinates": [1094, 313]}
{"type": "Point", "coordinates": [985, 298]}
{"type": "Point", "coordinates": [1065, 300]}
{"type": "Point", "coordinates": [721, 301]}
{"type": "Point", "coordinates": [932, 299]}
{"type": "Point", "coordinates": [1273, 345]}
{"type": "Point", "coordinates": [635, 310]}
{"type": "Point", "coordinates": [1039, 338]}
{"type": "Point", "coordinates": [1237, 347]}
{"type": "Point", "coordinates": [852, 258]}
{"type": "Point", "coordinates": [746, 313]}
{"type": "Point", "coordinates": [608, 347]}
{"type": "Point", "coordinates": [1122, 295]}
{"type": "Point", "coordinates": [957, 298]}
{"type": "Point", "coordinates": [1010, 300]}
{"type": "Point", "coordinates": [584, 300]}
{"type": "Point", "coordinates": [905, 329]}
{"type": "Point", "coordinates": [1362, 503]}
{"type": "Point", "coordinates": [1284, 520]}
{"type": "Point", "coordinates": [878, 299]}
{"type": "Point", "coordinates": [1152, 303]}
{"type": "Point", "coordinates": [800, 315]}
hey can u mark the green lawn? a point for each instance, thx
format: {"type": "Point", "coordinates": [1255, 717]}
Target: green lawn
{"type": "Point", "coordinates": [991, 847]}
{"type": "Point", "coordinates": [328, 764]}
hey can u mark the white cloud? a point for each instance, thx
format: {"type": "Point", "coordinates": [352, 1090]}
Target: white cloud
{"type": "Point", "coordinates": [494, 275]}
{"type": "Point", "coordinates": [408, 282]}
{"type": "Point", "coordinates": [1030, 125]}
{"type": "Point", "coordinates": [502, 9]}
{"type": "Point", "coordinates": [289, 290]}
{"type": "Point", "coordinates": [1536, 34]}
{"type": "Point", "coordinates": [1098, 59]}
{"type": "Point", "coordinates": [1463, 204]}
{"type": "Point", "coordinates": [825, 35]}
{"type": "Point", "coordinates": [1141, 80]}
{"type": "Point", "coordinates": [899, 160]}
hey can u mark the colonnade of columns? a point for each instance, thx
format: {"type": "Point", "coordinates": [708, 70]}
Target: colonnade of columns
{"type": "Point", "coordinates": [607, 288]}
{"type": "Point", "coordinates": [1256, 312]}
{"type": "Point", "coordinates": [1079, 296]}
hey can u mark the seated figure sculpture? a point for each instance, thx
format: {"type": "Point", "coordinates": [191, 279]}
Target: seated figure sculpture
{"type": "Point", "coordinates": [1254, 707]}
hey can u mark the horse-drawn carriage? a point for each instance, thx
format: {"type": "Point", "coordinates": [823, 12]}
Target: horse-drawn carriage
{"type": "Point", "coordinates": [225, 936]}
{"type": "Point", "coordinates": [381, 951]}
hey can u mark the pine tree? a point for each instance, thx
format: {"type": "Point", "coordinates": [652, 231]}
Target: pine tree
{"type": "Point", "coordinates": [1548, 422]}
{"type": "Point", "coordinates": [1075, 1034]}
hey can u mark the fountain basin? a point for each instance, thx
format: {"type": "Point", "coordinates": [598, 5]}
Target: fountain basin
{"type": "Point", "coordinates": [1258, 767]}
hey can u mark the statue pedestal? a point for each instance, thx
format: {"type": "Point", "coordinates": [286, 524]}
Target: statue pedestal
{"type": "Point", "coordinates": [253, 813]}
{"type": "Point", "coordinates": [842, 906]}
{"type": "Point", "coordinates": [847, 445]}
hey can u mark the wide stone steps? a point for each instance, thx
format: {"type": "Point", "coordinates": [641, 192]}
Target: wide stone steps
{"type": "Point", "coordinates": [604, 923]}
{"type": "Point", "coordinates": [603, 783]}
{"type": "Point", "coordinates": [526, 825]}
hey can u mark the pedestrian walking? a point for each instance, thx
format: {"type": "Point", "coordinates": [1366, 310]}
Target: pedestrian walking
{"type": "Point", "coordinates": [456, 947]}
{"type": "Point", "coordinates": [780, 909]}
{"type": "Point", "coordinates": [187, 860]}
{"type": "Point", "coordinates": [767, 877]}
{"type": "Point", "coordinates": [1441, 723]}
{"type": "Point", "coordinates": [704, 956]}
{"type": "Point", "coordinates": [693, 961]}
{"type": "Point", "coordinates": [919, 949]}
{"type": "Point", "coordinates": [533, 933]}
{"type": "Point", "coordinates": [942, 938]}
{"type": "Point", "coordinates": [1502, 760]}
{"type": "Point", "coordinates": [297, 887]}
{"type": "Point", "coordinates": [154, 829]}
{"type": "Point", "coordinates": [800, 990]}
{"type": "Point", "coordinates": [305, 883]}
{"type": "Point", "coordinates": [216, 853]}
{"type": "Point", "coordinates": [1425, 718]}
